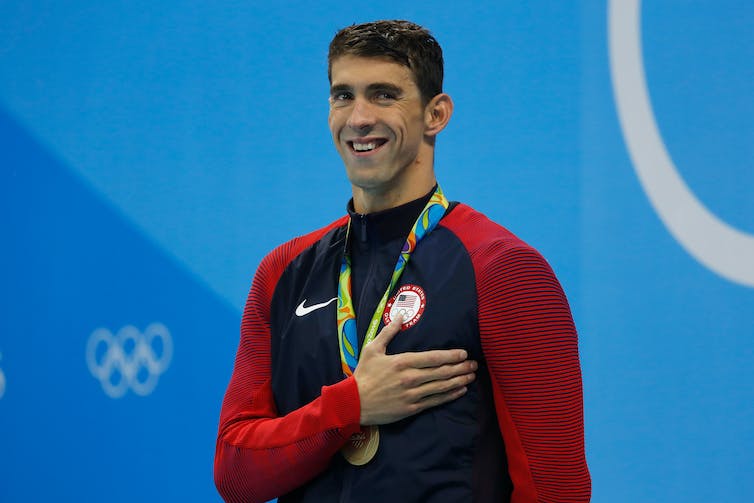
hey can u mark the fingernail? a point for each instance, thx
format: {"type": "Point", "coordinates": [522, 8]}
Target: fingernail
{"type": "Point", "coordinates": [474, 365]}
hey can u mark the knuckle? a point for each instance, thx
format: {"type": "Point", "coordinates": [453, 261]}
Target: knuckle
{"type": "Point", "coordinates": [448, 371]}
{"type": "Point", "coordinates": [401, 362]}
{"type": "Point", "coordinates": [437, 399]}
{"type": "Point", "coordinates": [413, 408]}
{"type": "Point", "coordinates": [413, 396]}
{"type": "Point", "coordinates": [451, 386]}
{"type": "Point", "coordinates": [405, 381]}
{"type": "Point", "coordinates": [461, 380]}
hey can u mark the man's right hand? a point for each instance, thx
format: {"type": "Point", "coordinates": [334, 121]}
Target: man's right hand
{"type": "Point", "coordinates": [392, 387]}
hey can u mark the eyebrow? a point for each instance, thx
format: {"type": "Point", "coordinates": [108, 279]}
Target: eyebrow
{"type": "Point", "coordinates": [339, 88]}
{"type": "Point", "coordinates": [377, 86]}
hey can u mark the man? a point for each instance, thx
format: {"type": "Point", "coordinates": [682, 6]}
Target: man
{"type": "Point", "coordinates": [470, 389]}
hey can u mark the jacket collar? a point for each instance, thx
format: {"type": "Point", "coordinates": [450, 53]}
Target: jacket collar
{"type": "Point", "coordinates": [389, 224]}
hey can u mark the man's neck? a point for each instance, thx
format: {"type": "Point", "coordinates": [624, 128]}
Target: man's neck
{"type": "Point", "coordinates": [366, 201]}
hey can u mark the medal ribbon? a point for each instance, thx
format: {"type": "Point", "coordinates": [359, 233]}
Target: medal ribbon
{"type": "Point", "coordinates": [347, 337]}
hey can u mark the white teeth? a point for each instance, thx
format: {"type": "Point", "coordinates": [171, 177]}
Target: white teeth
{"type": "Point", "coordinates": [363, 147]}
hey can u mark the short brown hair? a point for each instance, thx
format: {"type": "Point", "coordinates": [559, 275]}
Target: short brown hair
{"type": "Point", "coordinates": [404, 42]}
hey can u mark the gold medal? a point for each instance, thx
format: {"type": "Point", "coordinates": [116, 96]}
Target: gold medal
{"type": "Point", "coordinates": [362, 446]}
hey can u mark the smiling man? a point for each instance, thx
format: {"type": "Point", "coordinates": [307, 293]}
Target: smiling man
{"type": "Point", "coordinates": [413, 350]}
{"type": "Point", "coordinates": [384, 130]}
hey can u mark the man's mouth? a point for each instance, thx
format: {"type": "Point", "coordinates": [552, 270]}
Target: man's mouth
{"type": "Point", "coordinates": [366, 146]}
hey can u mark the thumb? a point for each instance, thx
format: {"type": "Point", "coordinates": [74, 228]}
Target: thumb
{"type": "Point", "coordinates": [387, 333]}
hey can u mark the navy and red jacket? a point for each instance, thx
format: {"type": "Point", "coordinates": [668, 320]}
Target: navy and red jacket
{"type": "Point", "coordinates": [517, 435]}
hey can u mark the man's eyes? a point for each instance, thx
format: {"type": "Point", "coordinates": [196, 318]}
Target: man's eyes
{"type": "Point", "coordinates": [379, 96]}
{"type": "Point", "coordinates": [384, 96]}
{"type": "Point", "coordinates": [341, 96]}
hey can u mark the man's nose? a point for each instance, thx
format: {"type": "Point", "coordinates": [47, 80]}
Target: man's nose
{"type": "Point", "coordinates": [362, 115]}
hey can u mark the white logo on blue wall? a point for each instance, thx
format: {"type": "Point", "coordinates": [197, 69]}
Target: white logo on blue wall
{"type": "Point", "coordinates": [725, 250]}
{"type": "Point", "coordinates": [129, 359]}
{"type": "Point", "coordinates": [2, 380]}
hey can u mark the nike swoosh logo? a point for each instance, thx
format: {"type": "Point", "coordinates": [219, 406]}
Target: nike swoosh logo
{"type": "Point", "coordinates": [303, 311]}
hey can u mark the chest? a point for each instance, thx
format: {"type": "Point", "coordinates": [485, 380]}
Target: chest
{"type": "Point", "coordinates": [436, 294]}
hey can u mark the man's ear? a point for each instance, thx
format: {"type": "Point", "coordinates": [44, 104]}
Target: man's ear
{"type": "Point", "coordinates": [437, 114]}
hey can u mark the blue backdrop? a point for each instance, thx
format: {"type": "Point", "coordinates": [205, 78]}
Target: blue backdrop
{"type": "Point", "coordinates": [152, 153]}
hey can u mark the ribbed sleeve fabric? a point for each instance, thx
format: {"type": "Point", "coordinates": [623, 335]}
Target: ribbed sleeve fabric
{"type": "Point", "coordinates": [260, 455]}
{"type": "Point", "coordinates": [530, 344]}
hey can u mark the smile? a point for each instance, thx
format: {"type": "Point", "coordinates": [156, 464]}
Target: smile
{"type": "Point", "coordinates": [366, 146]}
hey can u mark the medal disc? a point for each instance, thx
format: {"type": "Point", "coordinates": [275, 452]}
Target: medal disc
{"type": "Point", "coordinates": [362, 446]}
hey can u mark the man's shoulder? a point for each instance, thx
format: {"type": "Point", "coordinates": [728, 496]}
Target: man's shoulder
{"type": "Point", "coordinates": [294, 247]}
{"type": "Point", "coordinates": [276, 261]}
{"type": "Point", "coordinates": [498, 256]}
{"type": "Point", "coordinates": [479, 233]}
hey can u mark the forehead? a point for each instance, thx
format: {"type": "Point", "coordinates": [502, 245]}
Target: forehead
{"type": "Point", "coordinates": [358, 71]}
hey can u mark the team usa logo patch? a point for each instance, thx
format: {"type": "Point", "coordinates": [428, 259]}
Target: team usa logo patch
{"type": "Point", "coordinates": [409, 301]}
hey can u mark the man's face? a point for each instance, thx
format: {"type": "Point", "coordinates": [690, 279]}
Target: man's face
{"type": "Point", "coordinates": [377, 122]}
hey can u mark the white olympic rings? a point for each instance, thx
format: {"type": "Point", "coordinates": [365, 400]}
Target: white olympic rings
{"type": "Point", "coordinates": [129, 359]}
{"type": "Point", "coordinates": [725, 250]}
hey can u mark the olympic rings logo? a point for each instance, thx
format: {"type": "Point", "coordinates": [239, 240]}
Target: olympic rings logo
{"type": "Point", "coordinates": [720, 247]}
{"type": "Point", "coordinates": [130, 359]}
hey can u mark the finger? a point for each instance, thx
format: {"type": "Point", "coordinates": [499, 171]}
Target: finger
{"type": "Point", "coordinates": [388, 332]}
{"type": "Point", "coordinates": [444, 372]}
{"type": "Point", "coordinates": [439, 399]}
{"type": "Point", "coordinates": [433, 358]}
{"type": "Point", "coordinates": [438, 387]}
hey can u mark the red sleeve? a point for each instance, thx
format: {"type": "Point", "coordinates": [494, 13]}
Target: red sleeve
{"type": "Point", "coordinates": [260, 455]}
{"type": "Point", "coordinates": [530, 344]}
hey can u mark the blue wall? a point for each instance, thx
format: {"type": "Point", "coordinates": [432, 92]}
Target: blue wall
{"type": "Point", "coordinates": [152, 153]}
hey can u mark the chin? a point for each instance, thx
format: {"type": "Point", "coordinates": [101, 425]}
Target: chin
{"type": "Point", "coordinates": [373, 182]}
{"type": "Point", "coordinates": [369, 178]}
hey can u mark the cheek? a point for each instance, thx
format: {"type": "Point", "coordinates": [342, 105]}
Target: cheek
{"type": "Point", "coordinates": [411, 124]}
{"type": "Point", "coordinates": [411, 132]}
{"type": "Point", "coordinates": [333, 119]}
{"type": "Point", "coordinates": [334, 128]}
